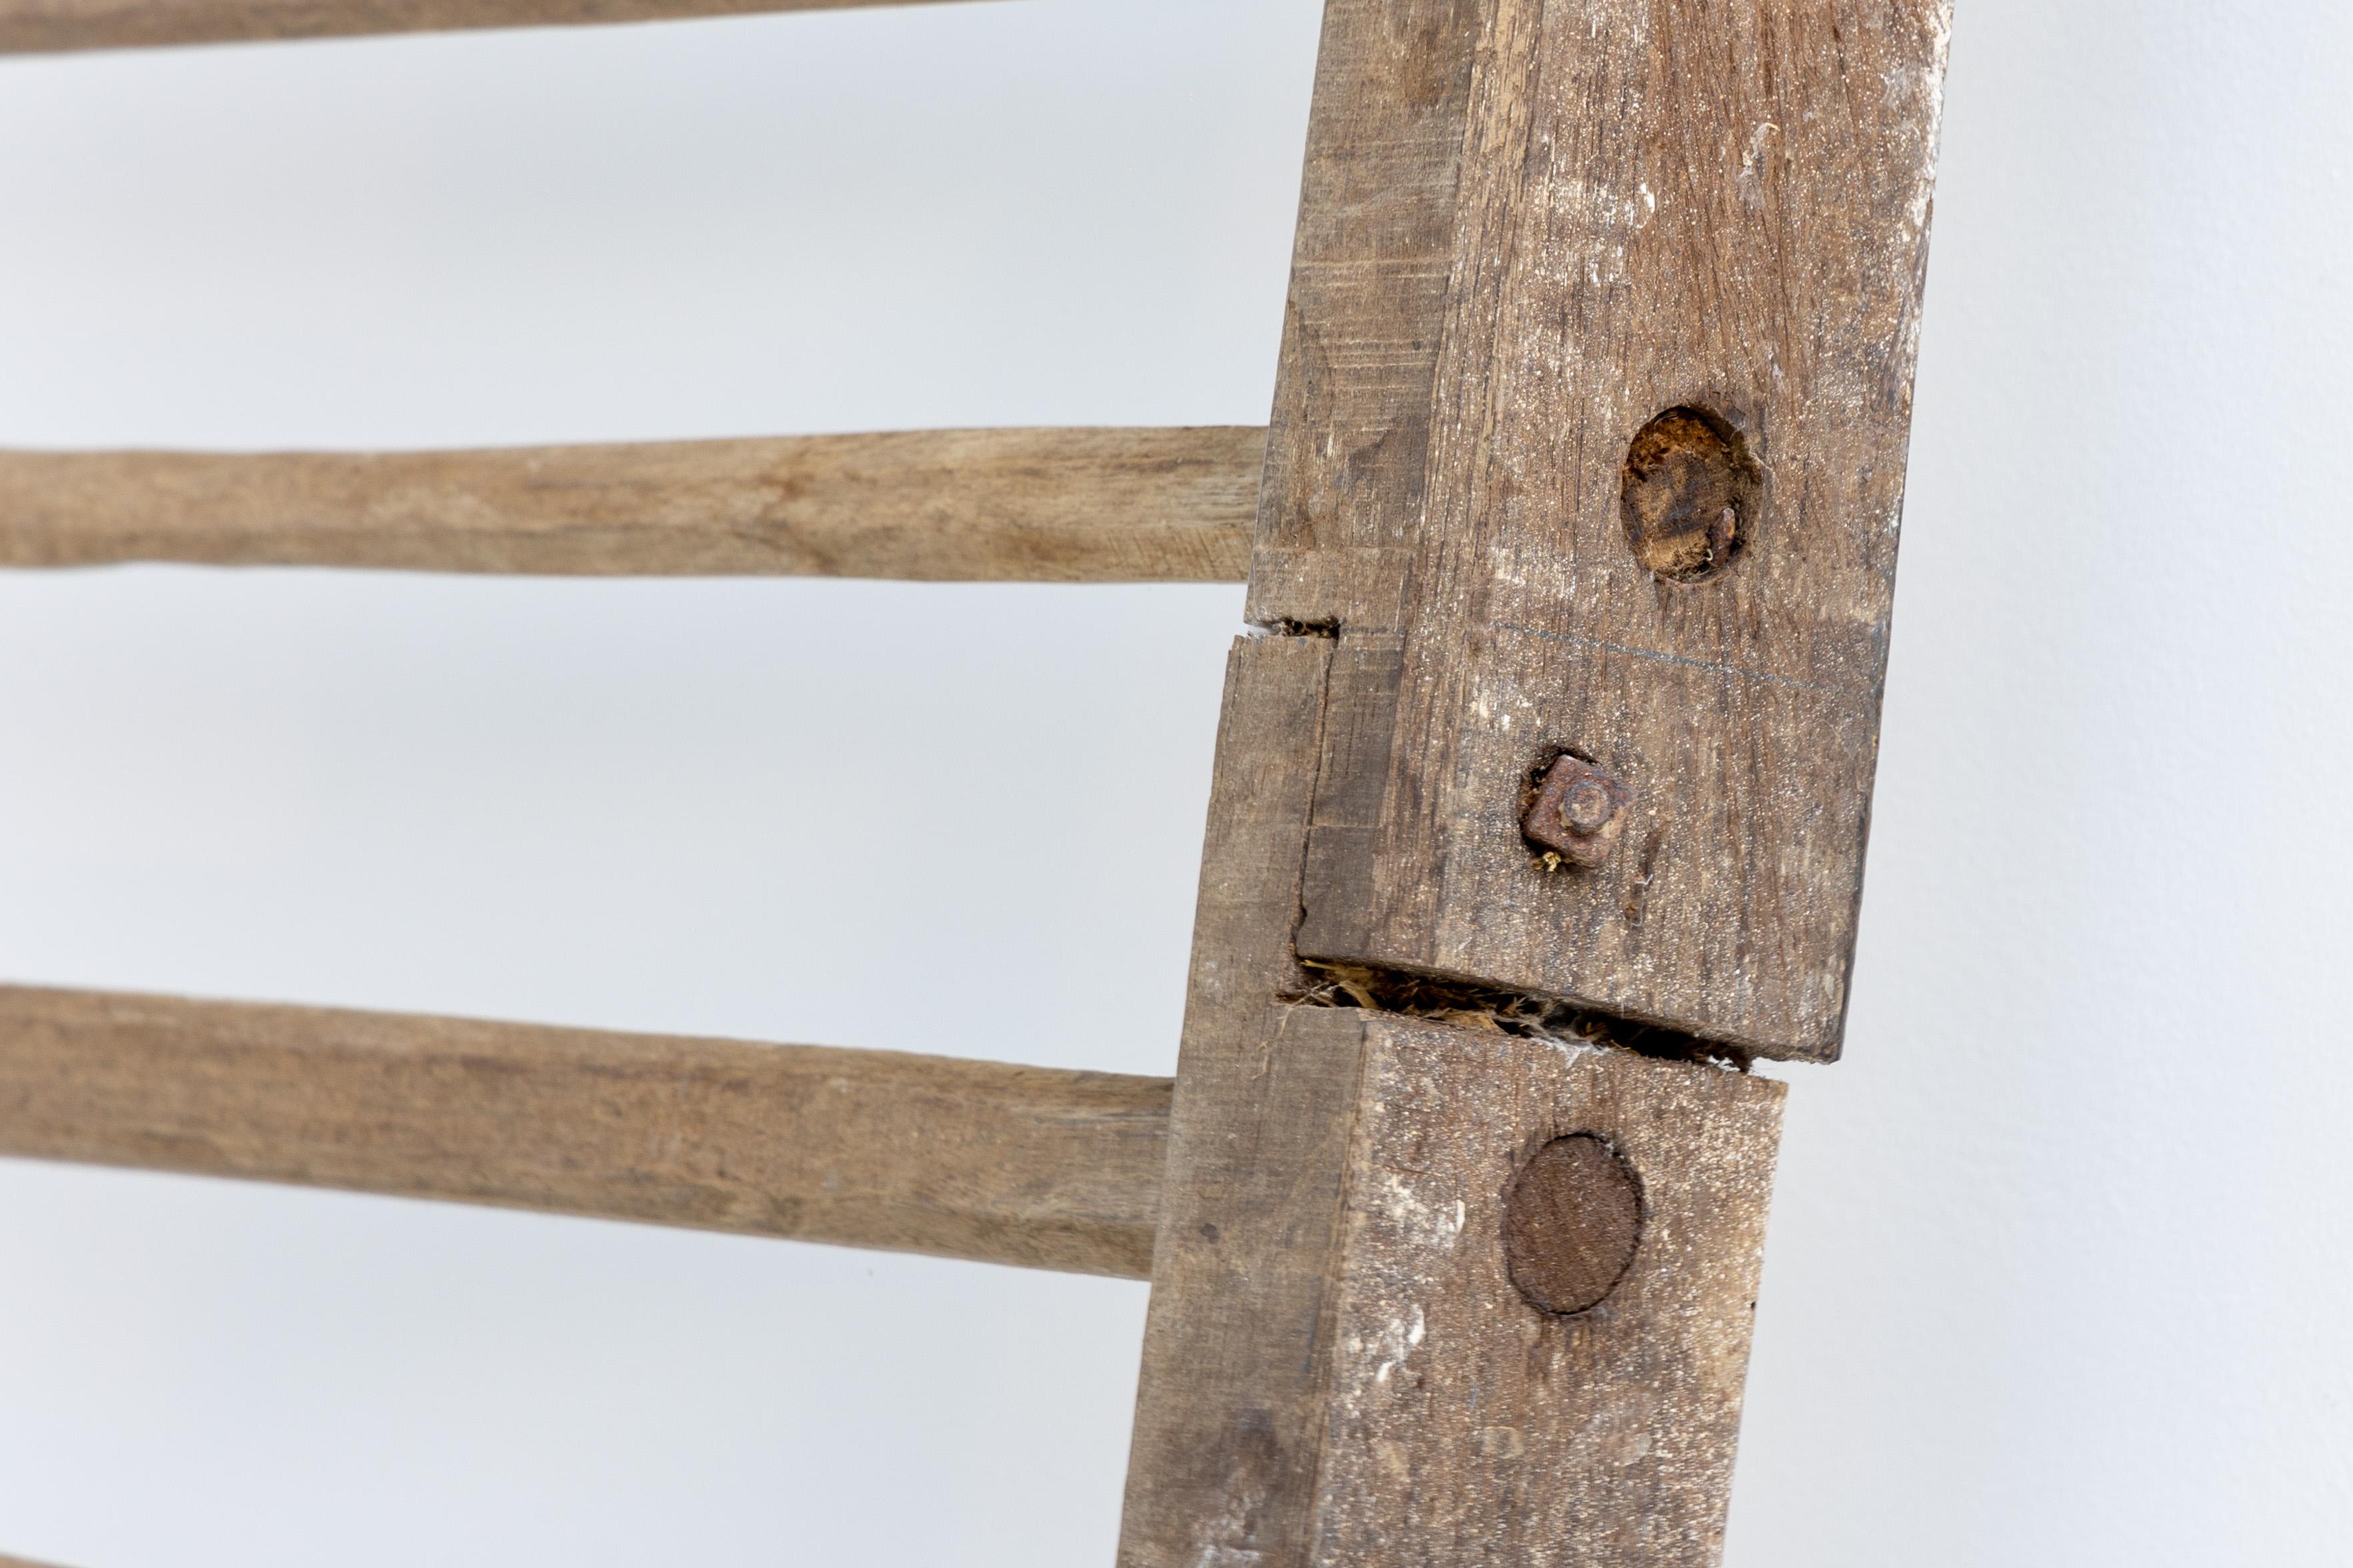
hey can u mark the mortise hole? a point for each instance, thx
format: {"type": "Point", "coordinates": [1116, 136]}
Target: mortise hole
{"type": "Point", "coordinates": [1688, 495]}
{"type": "Point", "coordinates": [1572, 1224]}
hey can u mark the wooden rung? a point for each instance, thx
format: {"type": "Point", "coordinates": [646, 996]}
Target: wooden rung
{"type": "Point", "coordinates": [909, 1154]}
{"type": "Point", "coordinates": [1035, 506]}
{"type": "Point", "coordinates": [38, 26]}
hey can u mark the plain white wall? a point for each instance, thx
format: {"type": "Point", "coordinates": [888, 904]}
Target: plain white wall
{"type": "Point", "coordinates": [2060, 1270]}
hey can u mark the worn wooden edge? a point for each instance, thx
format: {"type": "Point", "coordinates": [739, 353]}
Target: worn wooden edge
{"type": "Point", "coordinates": [1032, 1166]}
{"type": "Point", "coordinates": [49, 26]}
{"type": "Point", "coordinates": [1079, 505]}
{"type": "Point", "coordinates": [1229, 1395]}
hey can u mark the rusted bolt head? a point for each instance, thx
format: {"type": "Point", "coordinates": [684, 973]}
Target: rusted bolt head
{"type": "Point", "coordinates": [1585, 807]}
{"type": "Point", "coordinates": [1577, 812]}
{"type": "Point", "coordinates": [1572, 1224]}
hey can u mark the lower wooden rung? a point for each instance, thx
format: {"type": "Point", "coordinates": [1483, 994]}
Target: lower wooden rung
{"type": "Point", "coordinates": [909, 1154]}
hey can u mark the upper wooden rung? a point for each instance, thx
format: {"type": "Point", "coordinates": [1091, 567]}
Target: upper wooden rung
{"type": "Point", "coordinates": [45, 27]}
{"type": "Point", "coordinates": [1040, 506]}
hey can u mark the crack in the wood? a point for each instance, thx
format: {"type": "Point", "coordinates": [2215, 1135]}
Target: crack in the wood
{"type": "Point", "coordinates": [1328, 630]}
{"type": "Point", "coordinates": [1468, 1004]}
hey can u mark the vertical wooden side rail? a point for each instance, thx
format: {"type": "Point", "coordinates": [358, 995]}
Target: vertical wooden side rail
{"type": "Point", "coordinates": [1576, 547]}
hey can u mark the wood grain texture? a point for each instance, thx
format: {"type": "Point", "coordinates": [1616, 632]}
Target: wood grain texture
{"type": "Point", "coordinates": [1467, 1425]}
{"type": "Point", "coordinates": [1636, 206]}
{"type": "Point", "coordinates": [1230, 1399]}
{"type": "Point", "coordinates": [35, 26]}
{"type": "Point", "coordinates": [1049, 506]}
{"type": "Point", "coordinates": [1529, 228]}
{"type": "Point", "coordinates": [1338, 1369]}
{"type": "Point", "coordinates": [909, 1154]}
{"type": "Point", "coordinates": [1348, 450]}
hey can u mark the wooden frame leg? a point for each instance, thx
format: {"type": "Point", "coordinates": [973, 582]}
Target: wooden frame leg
{"type": "Point", "coordinates": [1587, 453]}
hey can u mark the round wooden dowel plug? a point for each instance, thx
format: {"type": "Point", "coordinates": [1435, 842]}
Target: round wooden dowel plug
{"type": "Point", "coordinates": [1572, 1224]}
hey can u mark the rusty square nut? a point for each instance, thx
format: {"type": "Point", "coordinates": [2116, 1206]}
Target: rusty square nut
{"type": "Point", "coordinates": [1578, 813]}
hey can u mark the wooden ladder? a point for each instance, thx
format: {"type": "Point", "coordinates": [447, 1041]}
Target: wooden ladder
{"type": "Point", "coordinates": [1540, 802]}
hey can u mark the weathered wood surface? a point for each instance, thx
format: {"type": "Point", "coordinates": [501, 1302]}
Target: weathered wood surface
{"type": "Point", "coordinates": [1468, 1426]}
{"type": "Point", "coordinates": [1036, 505]}
{"type": "Point", "coordinates": [1337, 1370]}
{"type": "Point", "coordinates": [909, 1154]}
{"type": "Point", "coordinates": [1530, 228]}
{"type": "Point", "coordinates": [1229, 1404]}
{"type": "Point", "coordinates": [34, 27]}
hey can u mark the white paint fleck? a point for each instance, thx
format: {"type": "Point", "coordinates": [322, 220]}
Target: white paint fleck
{"type": "Point", "coordinates": [1400, 1340]}
{"type": "Point", "coordinates": [1420, 1220]}
{"type": "Point", "coordinates": [1570, 1049]}
{"type": "Point", "coordinates": [1751, 179]}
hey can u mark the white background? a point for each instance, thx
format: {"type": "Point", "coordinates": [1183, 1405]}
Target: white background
{"type": "Point", "coordinates": [2059, 1271]}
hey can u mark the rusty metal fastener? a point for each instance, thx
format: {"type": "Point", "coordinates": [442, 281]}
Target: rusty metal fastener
{"type": "Point", "coordinates": [1577, 812]}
